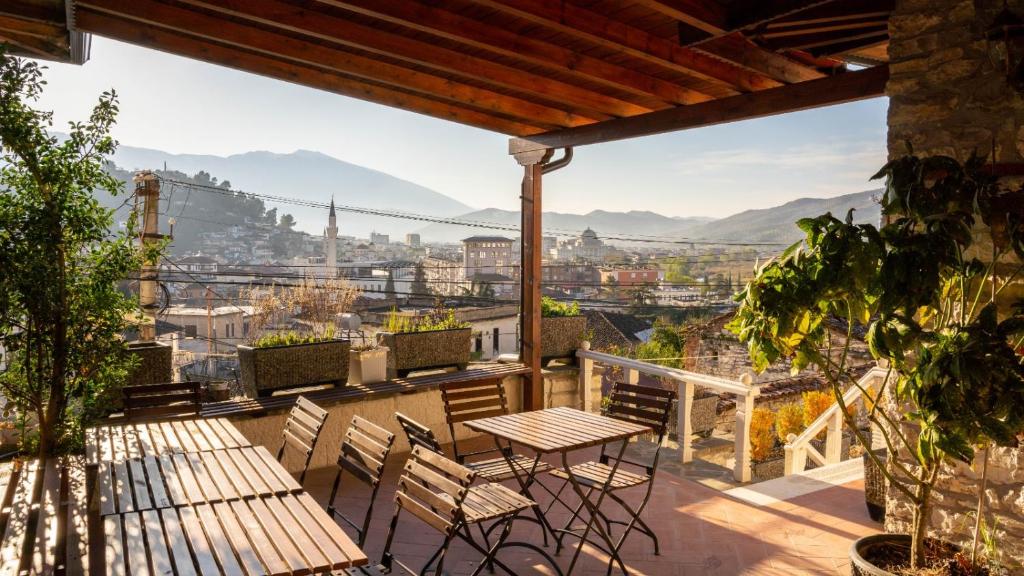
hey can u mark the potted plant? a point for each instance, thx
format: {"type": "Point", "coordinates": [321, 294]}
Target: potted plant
{"type": "Point", "coordinates": [280, 360]}
{"type": "Point", "coordinates": [218, 390]}
{"type": "Point", "coordinates": [368, 364]}
{"type": "Point", "coordinates": [437, 340]}
{"type": "Point", "coordinates": [930, 288]}
{"type": "Point", "coordinates": [767, 459]}
{"type": "Point", "coordinates": [562, 329]}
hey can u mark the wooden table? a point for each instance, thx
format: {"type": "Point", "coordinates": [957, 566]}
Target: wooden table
{"type": "Point", "coordinates": [194, 497]}
{"type": "Point", "coordinates": [564, 430]}
{"type": "Point", "coordinates": [124, 441]}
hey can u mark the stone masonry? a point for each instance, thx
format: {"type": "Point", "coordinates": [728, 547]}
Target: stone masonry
{"type": "Point", "coordinates": [947, 97]}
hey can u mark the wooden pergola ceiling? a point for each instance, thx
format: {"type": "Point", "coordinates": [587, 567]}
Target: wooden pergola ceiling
{"type": "Point", "coordinates": [39, 29]}
{"type": "Point", "coordinates": [519, 67]}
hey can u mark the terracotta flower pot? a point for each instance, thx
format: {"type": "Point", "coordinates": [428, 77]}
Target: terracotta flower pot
{"type": "Point", "coordinates": [426, 350]}
{"type": "Point", "coordinates": [265, 370]}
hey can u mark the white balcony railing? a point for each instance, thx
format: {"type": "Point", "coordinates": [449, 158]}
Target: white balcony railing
{"type": "Point", "coordinates": [687, 382]}
{"type": "Point", "coordinates": [799, 447]}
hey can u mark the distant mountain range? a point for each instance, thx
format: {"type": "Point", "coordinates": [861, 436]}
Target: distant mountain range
{"type": "Point", "coordinates": [315, 177]}
{"type": "Point", "coordinates": [778, 224]}
{"type": "Point", "coordinates": [308, 176]}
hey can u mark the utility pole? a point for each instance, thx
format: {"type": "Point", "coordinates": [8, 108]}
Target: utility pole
{"type": "Point", "coordinates": [209, 322]}
{"type": "Point", "coordinates": [147, 186]}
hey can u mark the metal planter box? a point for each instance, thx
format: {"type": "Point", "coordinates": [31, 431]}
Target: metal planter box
{"type": "Point", "coordinates": [561, 336]}
{"type": "Point", "coordinates": [368, 366]}
{"type": "Point", "coordinates": [265, 370]}
{"type": "Point", "coordinates": [426, 350]}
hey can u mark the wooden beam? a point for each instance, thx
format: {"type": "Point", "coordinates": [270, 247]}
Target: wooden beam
{"type": "Point", "coordinates": [52, 12]}
{"type": "Point", "coordinates": [530, 279]}
{"type": "Point", "coordinates": [836, 12]}
{"type": "Point", "coordinates": [272, 44]}
{"type": "Point", "coordinates": [848, 87]}
{"type": "Point", "coordinates": [453, 26]}
{"type": "Point", "coordinates": [315, 24]}
{"type": "Point", "coordinates": [34, 46]}
{"type": "Point", "coordinates": [30, 27]}
{"type": "Point", "coordinates": [828, 42]}
{"type": "Point", "coordinates": [783, 32]}
{"type": "Point", "coordinates": [151, 37]}
{"type": "Point", "coordinates": [602, 31]}
{"type": "Point", "coordinates": [744, 14]}
{"type": "Point", "coordinates": [708, 17]}
{"type": "Point", "coordinates": [738, 49]}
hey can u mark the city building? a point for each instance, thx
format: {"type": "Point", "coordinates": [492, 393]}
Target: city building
{"type": "Point", "coordinates": [488, 255]}
{"type": "Point", "coordinates": [629, 276]}
{"type": "Point", "coordinates": [379, 239]}
{"type": "Point", "coordinates": [412, 240]}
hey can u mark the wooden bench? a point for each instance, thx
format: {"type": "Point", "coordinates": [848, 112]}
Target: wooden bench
{"type": "Point", "coordinates": [353, 393]}
{"type": "Point", "coordinates": [43, 518]}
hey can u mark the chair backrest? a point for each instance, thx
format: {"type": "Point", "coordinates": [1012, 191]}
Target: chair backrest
{"type": "Point", "coordinates": [170, 400]}
{"type": "Point", "coordinates": [418, 434]}
{"type": "Point", "coordinates": [301, 432]}
{"type": "Point", "coordinates": [644, 405]}
{"type": "Point", "coordinates": [432, 488]}
{"type": "Point", "coordinates": [364, 451]}
{"type": "Point", "coordinates": [464, 401]}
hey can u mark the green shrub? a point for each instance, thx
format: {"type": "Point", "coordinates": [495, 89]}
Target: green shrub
{"type": "Point", "coordinates": [789, 420]}
{"type": "Point", "coordinates": [439, 319]}
{"type": "Point", "coordinates": [551, 308]}
{"type": "Point", "coordinates": [290, 339]}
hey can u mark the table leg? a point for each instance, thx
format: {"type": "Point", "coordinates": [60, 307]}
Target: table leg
{"type": "Point", "coordinates": [524, 487]}
{"type": "Point", "coordinates": [593, 508]}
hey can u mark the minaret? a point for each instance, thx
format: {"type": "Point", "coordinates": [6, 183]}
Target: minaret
{"type": "Point", "coordinates": [332, 243]}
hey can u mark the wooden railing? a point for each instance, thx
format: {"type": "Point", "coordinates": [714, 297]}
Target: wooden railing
{"type": "Point", "coordinates": [799, 447]}
{"type": "Point", "coordinates": [687, 382]}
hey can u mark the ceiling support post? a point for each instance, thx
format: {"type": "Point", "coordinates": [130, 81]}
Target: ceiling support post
{"type": "Point", "coordinates": [530, 275]}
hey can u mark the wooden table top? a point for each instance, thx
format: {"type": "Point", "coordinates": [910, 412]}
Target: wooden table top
{"type": "Point", "coordinates": [170, 480]}
{"type": "Point", "coordinates": [557, 429]}
{"type": "Point", "coordinates": [125, 441]}
{"type": "Point", "coordinates": [289, 534]}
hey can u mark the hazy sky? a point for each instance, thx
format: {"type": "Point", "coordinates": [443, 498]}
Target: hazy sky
{"type": "Point", "coordinates": [186, 106]}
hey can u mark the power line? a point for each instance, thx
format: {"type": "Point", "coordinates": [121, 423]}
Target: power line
{"type": "Point", "coordinates": [452, 221]}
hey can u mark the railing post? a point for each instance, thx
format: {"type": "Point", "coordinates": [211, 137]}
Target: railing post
{"type": "Point", "coordinates": [586, 392]}
{"type": "Point", "coordinates": [684, 425]}
{"type": "Point", "coordinates": [744, 410]}
{"type": "Point", "coordinates": [631, 375]}
{"type": "Point", "coordinates": [796, 457]}
{"type": "Point", "coordinates": [834, 438]}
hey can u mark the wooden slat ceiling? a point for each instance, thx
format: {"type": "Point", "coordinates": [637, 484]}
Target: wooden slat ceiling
{"type": "Point", "coordinates": [39, 29]}
{"type": "Point", "coordinates": [519, 67]}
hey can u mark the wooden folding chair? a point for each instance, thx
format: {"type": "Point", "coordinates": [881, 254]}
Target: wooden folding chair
{"type": "Point", "coordinates": [301, 431]}
{"type": "Point", "coordinates": [162, 401]}
{"type": "Point", "coordinates": [642, 405]}
{"type": "Point", "coordinates": [364, 452]}
{"type": "Point", "coordinates": [438, 492]}
{"type": "Point", "coordinates": [418, 434]}
{"type": "Point", "coordinates": [465, 401]}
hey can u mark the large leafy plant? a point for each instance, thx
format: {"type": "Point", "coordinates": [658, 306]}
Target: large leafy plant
{"type": "Point", "coordinates": [932, 287]}
{"type": "Point", "coordinates": [61, 313]}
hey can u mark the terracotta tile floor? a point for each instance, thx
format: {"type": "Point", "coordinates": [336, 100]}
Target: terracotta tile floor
{"type": "Point", "coordinates": [701, 531]}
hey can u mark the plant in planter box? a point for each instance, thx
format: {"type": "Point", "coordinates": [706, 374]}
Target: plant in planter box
{"type": "Point", "coordinates": [438, 340]}
{"type": "Point", "coordinates": [789, 419]}
{"type": "Point", "coordinates": [931, 286]}
{"type": "Point", "coordinates": [766, 457]}
{"type": "Point", "coordinates": [562, 329]}
{"type": "Point", "coordinates": [369, 364]}
{"type": "Point", "coordinates": [280, 360]}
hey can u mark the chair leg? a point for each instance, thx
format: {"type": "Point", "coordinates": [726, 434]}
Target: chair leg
{"type": "Point", "coordinates": [568, 523]}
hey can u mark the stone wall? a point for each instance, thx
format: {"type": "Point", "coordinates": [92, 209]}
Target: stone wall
{"type": "Point", "coordinates": [947, 97]}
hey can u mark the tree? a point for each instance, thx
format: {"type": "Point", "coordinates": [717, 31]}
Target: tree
{"type": "Point", "coordinates": [61, 314]}
{"type": "Point", "coordinates": [419, 287]}
{"type": "Point", "coordinates": [933, 288]}
{"type": "Point", "coordinates": [389, 289]}
{"type": "Point", "coordinates": [287, 222]}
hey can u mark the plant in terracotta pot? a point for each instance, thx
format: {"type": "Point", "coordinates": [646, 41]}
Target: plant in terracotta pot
{"type": "Point", "coordinates": [438, 340]}
{"type": "Point", "coordinates": [280, 360]}
{"type": "Point", "coordinates": [933, 288]}
{"type": "Point", "coordinates": [562, 329]}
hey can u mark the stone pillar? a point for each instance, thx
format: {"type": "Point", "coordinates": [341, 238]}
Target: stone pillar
{"type": "Point", "coordinates": [947, 97]}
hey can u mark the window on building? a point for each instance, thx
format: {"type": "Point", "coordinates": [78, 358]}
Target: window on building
{"type": "Point", "coordinates": [496, 344]}
{"type": "Point", "coordinates": [190, 331]}
{"type": "Point", "coordinates": [478, 344]}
